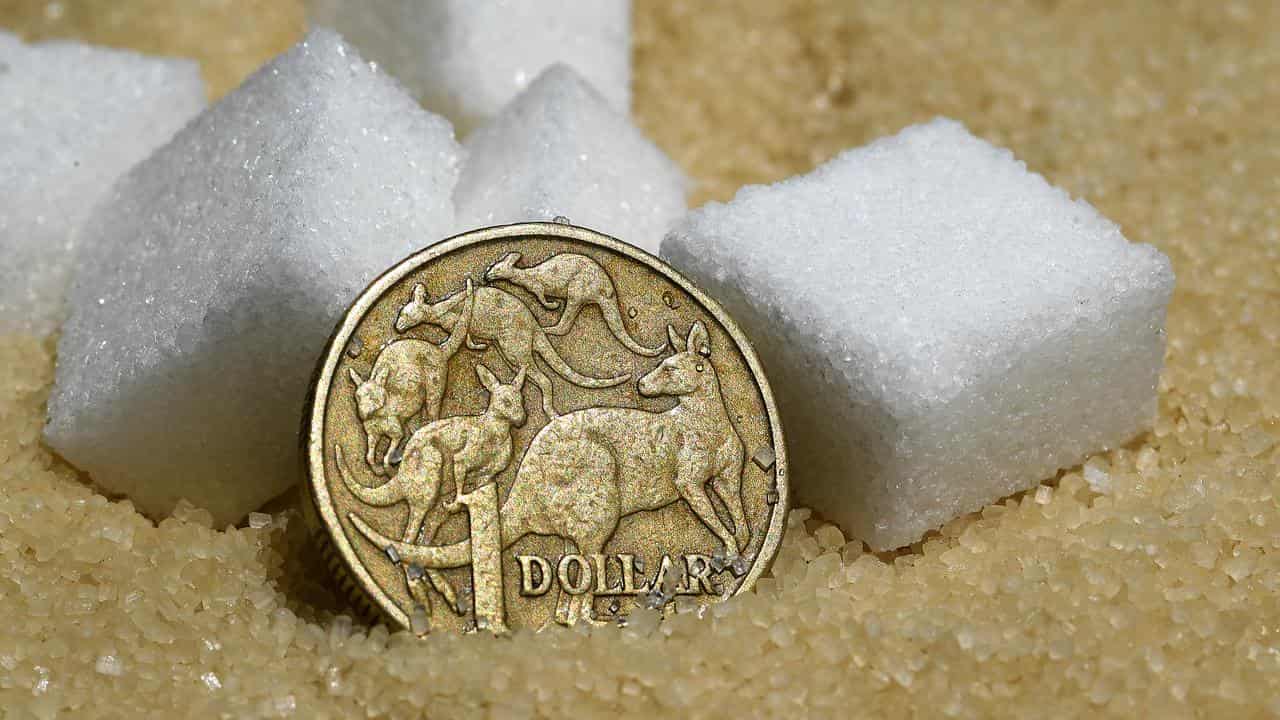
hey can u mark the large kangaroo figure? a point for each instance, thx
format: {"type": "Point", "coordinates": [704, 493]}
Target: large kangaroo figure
{"type": "Point", "coordinates": [477, 448]}
{"type": "Point", "coordinates": [407, 377]}
{"type": "Point", "coordinates": [504, 319]}
{"type": "Point", "coordinates": [586, 470]}
{"type": "Point", "coordinates": [575, 281]}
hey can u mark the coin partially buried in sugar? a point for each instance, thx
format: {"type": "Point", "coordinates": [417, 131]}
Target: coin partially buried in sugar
{"type": "Point", "coordinates": [537, 423]}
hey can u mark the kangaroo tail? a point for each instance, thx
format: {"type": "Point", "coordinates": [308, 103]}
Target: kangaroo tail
{"type": "Point", "coordinates": [388, 493]}
{"type": "Point", "coordinates": [613, 318]}
{"type": "Point", "coordinates": [514, 525]}
{"type": "Point", "coordinates": [434, 557]}
{"type": "Point", "coordinates": [557, 363]}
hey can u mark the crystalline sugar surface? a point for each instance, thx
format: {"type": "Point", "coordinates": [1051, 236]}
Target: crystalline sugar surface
{"type": "Point", "coordinates": [467, 58]}
{"type": "Point", "coordinates": [73, 118]}
{"type": "Point", "coordinates": [218, 267]}
{"type": "Point", "coordinates": [560, 149]}
{"type": "Point", "coordinates": [941, 327]}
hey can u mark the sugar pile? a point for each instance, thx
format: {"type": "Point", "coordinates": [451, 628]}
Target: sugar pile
{"type": "Point", "coordinates": [73, 118]}
{"type": "Point", "coordinates": [1154, 600]}
{"type": "Point", "coordinates": [466, 58]}
{"type": "Point", "coordinates": [949, 328]}
{"type": "Point", "coordinates": [559, 149]}
{"type": "Point", "coordinates": [218, 267]}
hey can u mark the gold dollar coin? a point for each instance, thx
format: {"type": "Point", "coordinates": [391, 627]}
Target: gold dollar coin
{"type": "Point", "coordinates": [536, 424]}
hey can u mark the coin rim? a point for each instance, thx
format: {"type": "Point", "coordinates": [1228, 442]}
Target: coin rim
{"type": "Point", "coordinates": [354, 314]}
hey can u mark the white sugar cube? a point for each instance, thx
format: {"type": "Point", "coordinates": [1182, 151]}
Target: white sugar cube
{"type": "Point", "coordinates": [559, 149]}
{"type": "Point", "coordinates": [218, 267]}
{"type": "Point", "coordinates": [941, 327]}
{"type": "Point", "coordinates": [467, 58]}
{"type": "Point", "coordinates": [73, 118]}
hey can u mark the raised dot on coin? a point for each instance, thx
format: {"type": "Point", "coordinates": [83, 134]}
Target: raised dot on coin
{"type": "Point", "coordinates": [764, 458]}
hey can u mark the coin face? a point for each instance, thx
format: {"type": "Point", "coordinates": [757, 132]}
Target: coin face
{"type": "Point", "coordinates": [536, 424]}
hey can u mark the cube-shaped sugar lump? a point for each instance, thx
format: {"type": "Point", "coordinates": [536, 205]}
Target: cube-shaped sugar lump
{"type": "Point", "coordinates": [559, 149]}
{"type": "Point", "coordinates": [217, 268]}
{"type": "Point", "coordinates": [941, 326]}
{"type": "Point", "coordinates": [467, 58]}
{"type": "Point", "coordinates": [73, 118]}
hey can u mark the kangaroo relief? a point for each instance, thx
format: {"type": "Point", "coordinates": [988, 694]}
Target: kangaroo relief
{"type": "Point", "coordinates": [503, 319]}
{"type": "Point", "coordinates": [465, 447]}
{"type": "Point", "coordinates": [408, 377]}
{"type": "Point", "coordinates": [571, 281]}
{"type": "Point", "coordinates": [671, 483]}
{"type": "Point", "coordinates": [586, 470]}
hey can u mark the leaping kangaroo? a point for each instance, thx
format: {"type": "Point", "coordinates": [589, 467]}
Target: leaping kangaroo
{"type": "Point", "coordinates": [586, 470]}
{"type": "Point", "coordinates": [501, 317]}
{"type": "Point", "coordinates": [476, 448]}
{"type": "Point", "coordinates": [573, 281]}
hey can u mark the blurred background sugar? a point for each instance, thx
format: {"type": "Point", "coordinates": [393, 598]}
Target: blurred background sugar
{"type": "Point", "coordinates": [466, 59]}
{"type": "Point", "coordinates": [559, 148]}
{"type": "Point", "coordinates": [73, 117]}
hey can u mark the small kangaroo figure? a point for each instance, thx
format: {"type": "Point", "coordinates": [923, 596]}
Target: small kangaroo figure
{"type": "Point", "coordinates": [504, 319]}
{"type": "Point", "coordinates": [586, 470]}
{"type": "Point", "coordinates": [407, 377]}
{"type": "Point", "coordinates": [576, 281]}
{"type": "Point", "coordinates": [477, 448]}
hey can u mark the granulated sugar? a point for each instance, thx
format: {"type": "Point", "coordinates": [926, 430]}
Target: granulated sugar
{"type": "Point", "coordinates": [1156, 599]}
{"type": "Point", "coordinates": [1159, 598]}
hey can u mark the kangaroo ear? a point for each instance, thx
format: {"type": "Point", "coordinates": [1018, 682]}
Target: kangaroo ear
{"type": "Point", "coordinates": [698, 340]}
{"type": "Point", "coordinates": [486, 377]}
{"type": "Point", "coordinates": [519, 379]}
{"type": "Point", "coordinates": [379, 376]}
{"type": "Point", "coordinates": [511, 258]}
{"type": "Point", "coordinates": [355, 376]}
{"type": "Point", "coordinates": [677, 343]}
{"type": "Point", "coordinates": [419, 293]}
